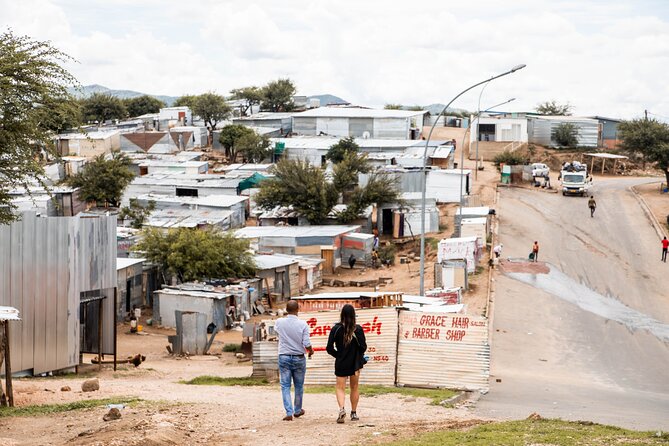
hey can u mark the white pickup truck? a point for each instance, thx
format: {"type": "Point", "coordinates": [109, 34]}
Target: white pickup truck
{"type": "Point", "coordinates": [574, 179]}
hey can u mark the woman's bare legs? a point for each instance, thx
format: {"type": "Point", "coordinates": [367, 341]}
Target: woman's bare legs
{"type": "Point", "coordinates": [355, 392]}
{"type": "Point", "coordinates": [341, 390]}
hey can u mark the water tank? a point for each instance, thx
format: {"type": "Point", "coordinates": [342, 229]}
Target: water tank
{"type": "Point", "coordinates": [314, 103]}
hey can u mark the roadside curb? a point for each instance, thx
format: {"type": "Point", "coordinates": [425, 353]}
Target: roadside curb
{"type": "Point", "coordinates": [649, 214]}
{"type": "Point", "coordinates": [457, 399]}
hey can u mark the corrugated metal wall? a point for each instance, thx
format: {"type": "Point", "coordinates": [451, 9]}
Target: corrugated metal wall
{"type": "Point", "coordinates": [304, 126]}
{"type": "Point", "coordinates": [45, 264]}
{"type": "Point", "coordinates": [380, 325]}
{"type": "Point", "coordinates": [443, 350]}
{"type": "Point", "coordinates": [391, 128]}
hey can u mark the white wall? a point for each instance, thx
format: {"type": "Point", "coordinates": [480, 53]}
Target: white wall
{"type": "Point", "coordinates": [506, 129]}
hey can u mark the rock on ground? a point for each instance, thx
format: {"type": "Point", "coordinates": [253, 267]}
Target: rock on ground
{"type": "Point", "coordinates": [90, 385]}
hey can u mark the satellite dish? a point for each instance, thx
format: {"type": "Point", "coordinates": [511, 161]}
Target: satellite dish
{"type": "Point", "coordinates": [365, 135]}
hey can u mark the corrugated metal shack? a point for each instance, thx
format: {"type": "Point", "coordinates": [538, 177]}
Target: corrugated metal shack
{"type": "Point", "coordinates": [48, 267]}
{"type": "Point", "coordinates": [359, 122]}
{"type": "Point", "coordinates": [460, 248]}
{"type": "Point", "coordinates": [427, 346]}
{"type": "Point", "coordinates": [360, 246]}
{"type": "Point", "coordinates": [462, 213]}
{"type": "Point", "coordinates": [311, 241]}
{"type": "Point", "coordinates": [442, 184]}
{"type": "Point", "coordinates": [541, 130]}
{"type": "Point", "coordinates": [130, 285]}
{"type": "Point", "coordinates": [182, 185]}
{"type": "Point", "coordinates": [405, 220]}
{"type": "Point", "coordinates": [280, 274]}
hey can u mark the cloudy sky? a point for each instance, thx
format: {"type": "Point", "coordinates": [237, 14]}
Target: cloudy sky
{"type": "Point", "coordinates": [608, 58]}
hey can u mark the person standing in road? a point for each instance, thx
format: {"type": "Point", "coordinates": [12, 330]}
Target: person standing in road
{"type": "Point", "coordinates": [665, 246]}
{"type": "Point", "coordinates": [535, 251]}
{"type": "Point", "coordinates": [293, 342]}
{"type": "Point", "coordinates": [592, 204]}
{"type": "Point", "coordinates": [498, 250]}
{"type": "Point", "coordinates": [347, 345]}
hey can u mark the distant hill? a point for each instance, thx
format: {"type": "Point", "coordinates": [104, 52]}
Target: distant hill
{"type": "Point", "coordinates": [88, 90]}
{"type": "Point", "coordinates": [328, 99]}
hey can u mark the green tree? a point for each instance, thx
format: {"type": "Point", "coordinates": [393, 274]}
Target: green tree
{"type": "Point", "coordinates": [253, 147]}
{"type": "Point", "coordinates": [102, 107]}
{"type": "Point", "coordinates": [393, 107]}
{"type": "Point", "coordinates": [60, 114]}
{"type": "Point", "coordinates": [278, 96]}
{"type": "Point", "coordinates": [303, 187]}
{"type": "Point", "coordinates": [337, 151]}
{"type": "Point", "coordinates": [508, 158]}
{"type": "Point", "coordinates": [142, 105]}
{"type": "Point", "coordinates": [186, 100]}
{"type": "Point", "coordinates": [566, 135]}
{"type": "Point", "coordinates": [415, 108]}
{"type": "Point", "coordinates": [298, 184]}
{"type": "Point", "coordinates": [380, 189]}
{"type": "Point", "coordinates": [229, 137]}
{"type": "Point", "coordinates": [31, 80]}
{"type": "Point", "coordinates": [346, 171]}
{"type": "Point", "coordinates": [197, 254]}
{"type": "Point", "coordinates": [552, 108]}
{"type": "Point", "coordinates": [250, 95]}
{"type": "Point", "coordinates": [136, 213]}
{"type": "Point", "coordinates": [648, 140]}
{"type": "Point", "coordinates": [103, 180]}
{"type": "Point", "coordinates": [213, 109]}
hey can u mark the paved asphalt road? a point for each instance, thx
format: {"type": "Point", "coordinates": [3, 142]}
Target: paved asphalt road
{"type": "Point", "coordinates": [565, 351]}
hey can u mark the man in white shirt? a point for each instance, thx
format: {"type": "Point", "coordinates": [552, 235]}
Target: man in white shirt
{"type": "Point", "coordinates": [498, 251]}
{"type": "Point", "coordinates": [293, 342]}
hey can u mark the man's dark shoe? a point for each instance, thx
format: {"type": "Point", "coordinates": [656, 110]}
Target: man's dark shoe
{"type": "Point", "coordinates": [288, 418]}
{"type": "Point", "coordinates": [298, 415]}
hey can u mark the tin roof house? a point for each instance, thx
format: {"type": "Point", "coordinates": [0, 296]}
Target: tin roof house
{"type": "Point", "coordinates": [359, 122]}
{"type": "Point", "coordinates": [541, 130]}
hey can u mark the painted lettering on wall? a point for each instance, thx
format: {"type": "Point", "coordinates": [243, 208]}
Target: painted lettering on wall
{"type": "Point", "coordinates": [373, 327]}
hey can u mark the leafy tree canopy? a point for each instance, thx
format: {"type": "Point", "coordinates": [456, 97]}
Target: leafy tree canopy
{"type": "Point", "coordinates": [229, 137]}
{"type": "Point", "coordinates": [102, 107]}
{"type": "Point", "coordinates": [185, 101]}
{"type": "Point", "coordinates": [136, 213]}
{"type": "Point", "coordinates": [566, 135]}
{"type": "Point", "coordinates": [298, 184]}
{"type": "Point", "coordinates": [552, 108]}
{"type": "Point", "coordinates": [647, 139]}
{"type": "Point", "coordinates": [197, 254]}
{"type": "Point", "coordinates": [337, 151]}
{"type": "Point", "coordinates": [142, 105]}
{"type": "Point", "coordinates": [254, 148]}
{"type": "Point", "coordinates": [277, 96]}
{"type": "Point", "coordinates": [393, 107]}
{"type": "Point", "coordinates": [212, 108]}
{"type": "Point", "coordinates": [31, 80]}
{"type": "Point", "coordinates": [250, 95]}
{"type": "Point", "coordinates": [103, 180]}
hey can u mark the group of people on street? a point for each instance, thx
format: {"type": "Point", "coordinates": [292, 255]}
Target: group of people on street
{"type": "Point", "coordinates": [346, 343]}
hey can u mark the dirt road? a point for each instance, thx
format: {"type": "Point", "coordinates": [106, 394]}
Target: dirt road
{"type": "Point", "coordinates": [180, 414]}
{"type": "Point", "coordinates": [590, 338]}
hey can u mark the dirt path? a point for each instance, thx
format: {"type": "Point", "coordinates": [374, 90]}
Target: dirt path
{"type": "Point", "coordinates": [174, 413]}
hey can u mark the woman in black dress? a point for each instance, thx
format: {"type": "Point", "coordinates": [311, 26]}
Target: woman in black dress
{"type": "Point", "coordinates": [347, 344]}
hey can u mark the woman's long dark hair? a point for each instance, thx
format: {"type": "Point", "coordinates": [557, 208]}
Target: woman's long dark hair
{"type": "Point", "coordinates": [348, 321]}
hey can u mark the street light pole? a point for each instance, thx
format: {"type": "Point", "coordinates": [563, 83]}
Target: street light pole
{"type": "Point", "coordinates": [478, 134]}
{"type": "Point", "coordinates": [462, 152]}
{"type": "Point", "coordinates": [424, 186]}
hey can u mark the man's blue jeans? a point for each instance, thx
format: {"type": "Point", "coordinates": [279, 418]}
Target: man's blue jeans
{"type": "Point", "coordinates": [292, 368]}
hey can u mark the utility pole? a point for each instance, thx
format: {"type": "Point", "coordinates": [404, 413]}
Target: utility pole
{"type": "Point", "coordinates": [645, 112]}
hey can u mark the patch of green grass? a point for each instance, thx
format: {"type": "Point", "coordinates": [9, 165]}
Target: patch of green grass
{"type": "Point", "coordinates": [432, 242]}
{"type": "Point", "coordinates": [209, 380]}
{"type": "Point", "coordinates": [48, 409]}
{"type": "Point", "coordinates": [232, 348]}
{"type": "Point", "coordinates": [436, 395]}
{"type": "Point", "coordinates": [536, 432]}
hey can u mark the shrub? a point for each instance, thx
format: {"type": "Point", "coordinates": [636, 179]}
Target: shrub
{"type": "Point", "coordinates": [508, 158]}
{"type": "Point", "coordinates": [387, 254]}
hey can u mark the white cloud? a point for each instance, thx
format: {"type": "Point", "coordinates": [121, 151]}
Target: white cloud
{"type": "Point", "coordinates": [604, 58]}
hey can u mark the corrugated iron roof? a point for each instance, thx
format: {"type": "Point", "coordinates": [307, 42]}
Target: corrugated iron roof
{"type": "Point", "coordinates": [295, 231]}
{"type": "Point", "coordinates": [341, 112]}
{"type": "Point", "coordinates": [125, 262]}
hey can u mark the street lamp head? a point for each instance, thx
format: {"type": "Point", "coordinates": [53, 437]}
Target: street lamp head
{"type": "Point", "coordinates": [518, 67]}
{"type": "Point", "coordinates": [511, 100]}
